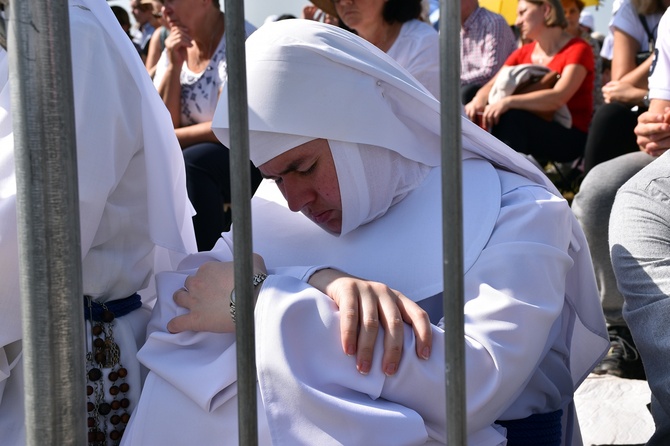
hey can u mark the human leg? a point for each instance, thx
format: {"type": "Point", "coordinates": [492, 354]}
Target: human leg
{"type": "Point", "coordinates": [208, 184]}
{"type": "Point", "coordinates": [527, 133]}
{"type": "Point", "coordinates": [592, 207]}
{"type": "Point", "coordinates": [611, 134]}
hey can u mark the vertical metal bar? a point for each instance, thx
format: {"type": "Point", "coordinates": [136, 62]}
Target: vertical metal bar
{"type": "Point", "coordinates": [241, 210]}
{"type": "Point", "coordinates": [452, 220]}
{"type": "Point", "coordinates": [48, 221]}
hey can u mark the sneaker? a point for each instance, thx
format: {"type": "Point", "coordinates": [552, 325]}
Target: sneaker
{"type": "Point", "coordinates": [622, 360]}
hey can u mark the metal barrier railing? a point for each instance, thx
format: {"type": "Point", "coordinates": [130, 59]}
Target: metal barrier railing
{"type": "Point", "coordinates": [48, 221]}
{"type": "Point", "coordinates": [39, 48]}
{"type": "Point", "coordinates": [241, 198]}
{"type": "Point", "coordinates": [452, 220]}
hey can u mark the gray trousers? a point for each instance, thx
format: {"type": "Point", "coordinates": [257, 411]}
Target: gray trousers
{"type": "Point", "coordinates": [592, 206]}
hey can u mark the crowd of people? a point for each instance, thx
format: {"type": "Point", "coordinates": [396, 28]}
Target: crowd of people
{"type": "Point", "coordinates": [347, 221]}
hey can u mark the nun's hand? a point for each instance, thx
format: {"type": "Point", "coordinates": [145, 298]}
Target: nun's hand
{"type": "Point", "coordinates": [363, 306]}
{"type": "Point", "coordinates": [206, 296]}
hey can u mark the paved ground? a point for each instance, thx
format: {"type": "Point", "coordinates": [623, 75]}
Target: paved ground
{"type": "Point", "coordinates": [612, 411]}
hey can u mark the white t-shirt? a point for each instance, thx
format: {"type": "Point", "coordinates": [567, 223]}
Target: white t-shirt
{"type": "Point", "coordinates": [417, 49]}
{"type": "Point", "coordinates": [659, 73]}
{"type": "Point", "coordinates": [626, 20]}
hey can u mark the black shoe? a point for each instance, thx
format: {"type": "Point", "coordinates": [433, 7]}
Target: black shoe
{"type": "Point", "coordinates": [622, 360]}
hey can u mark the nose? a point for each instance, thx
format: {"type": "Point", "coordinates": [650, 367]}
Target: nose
{"type": "Point", "coordinates": [298, 195]}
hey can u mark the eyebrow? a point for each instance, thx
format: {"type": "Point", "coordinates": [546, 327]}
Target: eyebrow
{"type": "Point", "coordinates": [292, 167]}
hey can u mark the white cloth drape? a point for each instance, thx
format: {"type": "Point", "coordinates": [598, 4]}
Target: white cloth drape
{"type": "Point", "coordinates": [135, 214]}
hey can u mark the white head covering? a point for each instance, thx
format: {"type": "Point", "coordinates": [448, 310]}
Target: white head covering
{"type": "Point", "coordinates": [304, 74]}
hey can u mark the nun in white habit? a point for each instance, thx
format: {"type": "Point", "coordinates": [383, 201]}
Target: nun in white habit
{"type": "Point", "coordinates": [352, 141]}
{"type": "Point", "coordinates": [135, 214]}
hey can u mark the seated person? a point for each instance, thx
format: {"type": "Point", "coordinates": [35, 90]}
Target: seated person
{"type": "Point", "coordinates": [521, 120]}
{"type": "Point", "coordinates": [486, 42]}
{"type": "Point", "coordinates": [135, 219]}
{"type": "Point", "coordinates": [368, 194]}
{"type": "Point", "coordinates": [639, 241]}
{"type": "Point", "coordinates": [593, 206]}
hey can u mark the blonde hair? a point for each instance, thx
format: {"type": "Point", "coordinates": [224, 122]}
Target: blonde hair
{"type": "Point", "coordinates": [556, 15]}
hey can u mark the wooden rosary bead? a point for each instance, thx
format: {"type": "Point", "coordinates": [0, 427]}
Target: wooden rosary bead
{"type": "Point", "coordinates": [96, 330]}
{"type": "Point", "coordinates": [124, 387]}
{"type": "Point", "coordinates": [89, 390]}
{"type": "Point", "coordinates": [113, 390]}
{"type": "Point", "coordinates": [125, 417]}
{"type": "Point", "coordinates": [125, 403]}
{"type": "Point", "coordinates": [98, 343]}
{"type": "Point", "coordinates": [94, 374]}
{"type": "Point", "coordinates": [99, 436]}
{"type": "Point", "coordinates": [115, 419]}
{"type": "Point", "coordinates": [90, 406]}
{"type": "Point", "coordinates": [116, 405]}
{"type": "Point", "coordinates": [114, 435]}
{"type": "Point", "coordinates": [107, 316]}
{"type": "Point", "coordinates": [91, 421]}
{"type": "Point", "coordinates": [100, 358]}
{"type": "Point", "coordinates": [104, 409]}
{"type": "Point", "coordinates": [122, 372]}
{"type": "Point", "coordinates": [113, 376]}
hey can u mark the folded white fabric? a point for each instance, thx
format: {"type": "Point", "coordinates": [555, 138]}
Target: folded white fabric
{"type": "Point", "coordinates": [511, 76]}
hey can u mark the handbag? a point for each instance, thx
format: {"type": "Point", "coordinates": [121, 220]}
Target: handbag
{"type": "Point", "coordinates": [538, 82]}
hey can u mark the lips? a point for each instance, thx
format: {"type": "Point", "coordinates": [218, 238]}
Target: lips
{"type": "Point", "coordinates": [322, 217]}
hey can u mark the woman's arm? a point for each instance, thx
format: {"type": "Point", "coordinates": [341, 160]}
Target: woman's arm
{"type": "Point", "coordinates": [478, 103]}
{"type": "Point", "coordinates": [653, 128]}
{"type": "Point", "coordinates": [193, 134]}
{"type": "Point", "coordinates": [632, 87]}
{"type": "Point", "coordinates": [169, 89]}
{"type": "Point", "coordinates": [366, 307]}
{"type": "Point", "coordinates": [154, 52]}
{"type": "Point", "coordinates": [623, 54]}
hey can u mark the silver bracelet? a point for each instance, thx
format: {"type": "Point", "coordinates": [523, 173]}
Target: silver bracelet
{"type": "Point", "coordinates": [258, 279]}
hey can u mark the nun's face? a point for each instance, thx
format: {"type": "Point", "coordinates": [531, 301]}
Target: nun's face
{"type": "Point", "coordinates": [307, 178]}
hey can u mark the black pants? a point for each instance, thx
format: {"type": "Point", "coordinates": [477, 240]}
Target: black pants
{"type": "Point", "coordinates": [611, 134]}
{"type": "Point", "coordinates": [468, 92]}
{"type": "Point", "coordinates": [208, 183]}
{"type": "Point", "coordinates": [527, 133]}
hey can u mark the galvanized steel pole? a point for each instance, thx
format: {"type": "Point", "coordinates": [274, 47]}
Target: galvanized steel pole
{"type": "Point", "coordinates": [48, 222]}
{"type": "Point", "coordinates": [241, 210]}
{"type": "Point", "coordinates": [452, 220]}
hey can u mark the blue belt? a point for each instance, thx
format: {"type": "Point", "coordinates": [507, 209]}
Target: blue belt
{"type": "Point", "coordinates": [542, 429]}
{"type": "Point", "coordinates": [96, 310]}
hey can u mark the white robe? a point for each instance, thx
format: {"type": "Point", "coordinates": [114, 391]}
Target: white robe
{"type": "Point", "coordinates": [517, 342]}
{"type": "Point", "coordinates": [533, 323]}
{"type": "Point", "coordinates": [135, 214]}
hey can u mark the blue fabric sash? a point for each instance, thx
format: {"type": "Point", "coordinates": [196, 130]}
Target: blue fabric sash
{"type": "Point", "coordinates": [542, 429]}
{"type": "Point", "coordinates": [119, 307]}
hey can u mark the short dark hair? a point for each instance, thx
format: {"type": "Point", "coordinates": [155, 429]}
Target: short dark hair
{"type": "Point", "coordinates": [401, 10]}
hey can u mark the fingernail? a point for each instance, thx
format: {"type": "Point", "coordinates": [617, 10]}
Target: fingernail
{"type": "Point", "coordinates": [351, 350]}
{"type": "Point", "coordinates": [364, 368]}
{"type": "Point", "coordinates": [390, 369]}
{"type": "Point", "coordinates": [425, 353]}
